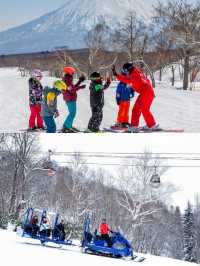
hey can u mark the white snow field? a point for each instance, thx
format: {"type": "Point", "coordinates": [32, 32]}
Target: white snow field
{"type": "Point", "coordinates": [172, 108]}
{"type": "Point", "coordinates": [15, 250]}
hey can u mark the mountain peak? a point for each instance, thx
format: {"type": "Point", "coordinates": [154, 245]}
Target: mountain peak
{"type": "Point", "coordinates": [68, 25]}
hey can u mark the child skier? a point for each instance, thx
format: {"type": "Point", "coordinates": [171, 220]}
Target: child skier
{"type": "Point", "coordinates": [97, 100]}
{"type": "Point", "coordinates": [35, 99]}
{"type": "Point", "coordinates": [49, 104]}
{"type": "Point", "coordinates": [70, 97]}
{"type": "Point", "coordinates": [124, 94]}
{"type": "Point", "coordinates": [142, 85]}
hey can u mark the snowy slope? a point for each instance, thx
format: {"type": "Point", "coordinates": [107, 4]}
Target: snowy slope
{"type": "Point", "coordinates": [172, 108]}
{"type": "Point", "coordinates": [68, 25]}
{"type": "Point", "coordinates": [16, 251]}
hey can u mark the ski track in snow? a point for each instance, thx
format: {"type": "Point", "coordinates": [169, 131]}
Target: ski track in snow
{"type": "Point", "coordinates": [15, 250]}
{"type": "Point", "coordinates": [172, 108]}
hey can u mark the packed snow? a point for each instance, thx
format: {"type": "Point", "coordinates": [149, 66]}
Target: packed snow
{"type": "Point", "coordinates": [172, 108]}
{"type": "Point", "coordinates": [15, 250]}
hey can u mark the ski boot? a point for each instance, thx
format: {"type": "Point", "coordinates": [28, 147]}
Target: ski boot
{"type": "Point", "coordinates": [68, 130]}
{"type": "Point", "coordinates": [133, 129]}
{"type": "Point", "coordinates": [149, 129]}
{"type": "Point", "coordinates": [32, 129]}
{"type": "Point", "coordinates": [75, 129]}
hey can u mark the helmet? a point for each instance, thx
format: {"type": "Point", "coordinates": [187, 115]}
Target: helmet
{"type": "Point", "coordinates": [95, 76]}
{"type": "Point", "coordinates": [127, 67]}
{"type": "Point", "coordinates": [36, 73]}
{"type": "Point", "coordinates": [69, 70]}
{"type": "Point", "coordinates": [60, 85]}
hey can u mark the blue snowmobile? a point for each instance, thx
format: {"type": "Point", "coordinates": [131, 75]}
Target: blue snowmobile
{"type": "Point", "coordinates": [94, 244]}
{"type": "Point", "coordinates": [32, 230]}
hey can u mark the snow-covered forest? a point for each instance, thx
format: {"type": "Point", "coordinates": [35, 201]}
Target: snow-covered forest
{"type": "Point", "coordinates": [144, 213]}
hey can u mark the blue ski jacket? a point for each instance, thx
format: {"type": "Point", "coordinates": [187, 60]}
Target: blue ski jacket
{"type": "Point", "coordinates": [124, 93]}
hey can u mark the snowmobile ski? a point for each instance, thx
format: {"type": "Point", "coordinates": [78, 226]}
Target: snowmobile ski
{"type": "Point", "coordinates": [138, 259]}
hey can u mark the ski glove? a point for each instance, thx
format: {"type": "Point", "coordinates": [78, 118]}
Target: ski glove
{"type": "Point", "coordinates": [81, 79]}
{"type": "Point", "coordinates": [56, 114]}
{"type": "Point", "coordinates": [118, 102]}
{"type": "Point", "coordinates": [83, 87]}
{"type": "Point", "coordinates": [114, 71]}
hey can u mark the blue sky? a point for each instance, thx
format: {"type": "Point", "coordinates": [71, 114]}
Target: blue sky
{"type": "Point", "coordinates": [16, 12]}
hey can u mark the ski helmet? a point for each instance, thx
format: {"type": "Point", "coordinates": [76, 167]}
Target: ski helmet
{"type": "Point", "coordinates": [95, 76]}
{"type": "Point", "coordinates": [69, 70]}
{"type": "Point", "coordinates": [60, 85]}
{"type": "Point", "coordinates": [36, 73]}
{"type": "Point", "coordinates": [127, 67]}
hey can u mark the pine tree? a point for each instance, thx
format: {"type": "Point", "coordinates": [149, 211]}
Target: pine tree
{"type": "Point", "coordinates": [188, 234]}
{"type": "Point", "coordinates": [177, 245]}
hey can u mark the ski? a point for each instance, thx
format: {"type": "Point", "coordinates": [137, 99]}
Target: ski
{"type": "Point", "coordinates": [33, 130]}
{"type": "Point", "coordinates": [142, 130]}
{"type": "Point", "coordinates": [166, 130]}
{"type": "Point", "coordinates": [61, 132]}
{"type": "Point", "coordinates": [116, 130]}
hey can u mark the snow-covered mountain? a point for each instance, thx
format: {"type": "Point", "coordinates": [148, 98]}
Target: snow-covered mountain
{"type": "Point", "coordinates": [68, 25]}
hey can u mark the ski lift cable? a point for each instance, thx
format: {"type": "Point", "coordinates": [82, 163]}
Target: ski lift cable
{"type": "Point", "coordinates": [129, 153]}
{"type": "Point", "coordinates": [132, 165]}
{"type": "Point", "coordinates": [133, 156]}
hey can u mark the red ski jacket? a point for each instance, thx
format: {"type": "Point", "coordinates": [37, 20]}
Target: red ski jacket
{"type": "Point", "coordinates": [104, 229]}
{"type": "Point", "coordinates": [138, 81]}
{"type": "Point", "coordinates": [70, 94]}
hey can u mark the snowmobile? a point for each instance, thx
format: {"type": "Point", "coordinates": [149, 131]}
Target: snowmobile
{"type": "Point", "coordinates": [93, 244]}
{"type": "Point", "coordinates": [29, 231]}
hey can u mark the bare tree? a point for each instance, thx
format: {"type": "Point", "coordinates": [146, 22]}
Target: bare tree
{"type": "Point", "coordinates": [98, 41]}
{"type": "Point", "coordinates": [20, 148]}
{"type": "Point", "coordinates": [181, 20]}
{"type": "Point", "coordinates": [138, 197]}
{"type": "Point", "coordinates": [131, 37]}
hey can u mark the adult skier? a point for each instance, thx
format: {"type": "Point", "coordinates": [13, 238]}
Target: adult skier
{"type": "Point", "coordinates": [142, 85]}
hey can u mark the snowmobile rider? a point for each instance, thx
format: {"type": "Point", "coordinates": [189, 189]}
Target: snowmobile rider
{"type": "Point", "coordinates": [70, 98]}
{"type": "Point", "coordinates": [124, 93]}
{"type": "Point", "coordinates": [35, 226]}
{"type": "Point", "coordinates": [45, 228]}
{"type": "Point", "coordinates": [32, 228]}
{"type": "Point", "coordinates": [142, 85]}
{"type": "Point", "coordinates": [59, 230]}
{"type": "Point", "coordinates": [97, 100]}
{"type": "Point", "coordinates": [35, 100]}
{"type": "Point", "coordinates": [49, 104]}
{"type": "Point", "coordinates": [104, 232]}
